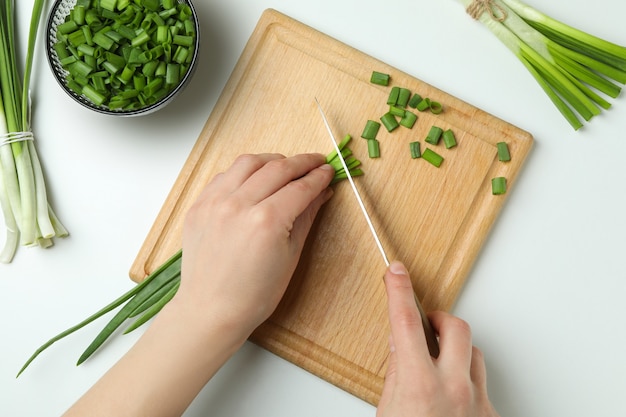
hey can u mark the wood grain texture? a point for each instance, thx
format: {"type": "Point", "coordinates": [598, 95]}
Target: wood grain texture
{"type": "Point", "coordinates": [333, 318]}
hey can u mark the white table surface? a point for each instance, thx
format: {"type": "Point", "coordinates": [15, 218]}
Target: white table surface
{"type": "Point", "coordinates": [545, 298]}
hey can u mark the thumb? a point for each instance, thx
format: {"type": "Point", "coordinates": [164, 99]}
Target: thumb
{"type": "Point", "coordinates": [390, 377]}
{"type": "Point", "coordinates": [404, 316]}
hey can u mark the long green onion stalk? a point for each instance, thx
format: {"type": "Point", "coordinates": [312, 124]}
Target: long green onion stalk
{"type": "Point", "coordinates": [579, 72]}
{"type": "Point", "coordinates": [28, 217]}
{"type": "Point", "coordinates": [146, 299]}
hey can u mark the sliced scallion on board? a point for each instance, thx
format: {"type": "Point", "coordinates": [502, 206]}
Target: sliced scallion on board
{"type": "Point", "coordinates": [433, 157]}
{"type": "Point", "coordinates": [434, 135]}
{"type": "Point", "coordinates": [449, 140]}
{"type": "Point", "coordinates": [373, 148]}
{"type": "Point", "coordinates": [379, 78]}
{"type": "Point", "coordinates": [389, 121]}
{"type": "Point", "coordinates": [408, 119]}
{"type": "Point", "coordinates": [498, 185]}
{"type": "Point", "coordinates": [370, 130]}
{"type": "Point", "coordinates": [414, 147]}
{"type": "Point", "coordinates": [504, 154]}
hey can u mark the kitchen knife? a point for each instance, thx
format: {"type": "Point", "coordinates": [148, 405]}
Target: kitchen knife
{"type": "Point", "coordinates": [431, 337]}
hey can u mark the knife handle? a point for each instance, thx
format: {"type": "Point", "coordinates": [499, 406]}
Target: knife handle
{"type": "Point", "coordinates": [431, 337]}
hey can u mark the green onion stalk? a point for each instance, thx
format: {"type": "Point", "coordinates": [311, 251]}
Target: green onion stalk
{"type": "Point", "coordinates": [143, 301]}
{"type": "Point", "coordinates": [579, 72]}
{"type": "Point", "coordinates": [28, 217]}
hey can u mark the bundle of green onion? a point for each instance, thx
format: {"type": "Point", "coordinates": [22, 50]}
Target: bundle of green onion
{"type": "Point", "coordinates": [147, 298]}
{"type": "Point", "coordinates": [28, 217]}
{"type": "Point", "coordinates": [571, 66]}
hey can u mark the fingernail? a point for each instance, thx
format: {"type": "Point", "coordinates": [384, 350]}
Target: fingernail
{"type": "Point", "coordinates": [327, 167]}
{"type": "Point", "coordinates": [397, 268]}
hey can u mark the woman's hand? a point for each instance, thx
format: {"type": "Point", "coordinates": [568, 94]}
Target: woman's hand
{"type": "Point", "coordinates": [416, 385]}
{"type": "Point", "coordinates": [241, 242]}
{"type": "Point", "coordinates": [243, 237]}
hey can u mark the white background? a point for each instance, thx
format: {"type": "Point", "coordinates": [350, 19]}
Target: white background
{"type": "Point", "coordinates": [545, 298]}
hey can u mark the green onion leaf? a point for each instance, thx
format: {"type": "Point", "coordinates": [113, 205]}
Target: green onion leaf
{"type": "Point", "coordinates": [572, 67]}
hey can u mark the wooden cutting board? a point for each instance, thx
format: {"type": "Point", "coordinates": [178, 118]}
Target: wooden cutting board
{"type": "Point", "coordinates": [333, 318]}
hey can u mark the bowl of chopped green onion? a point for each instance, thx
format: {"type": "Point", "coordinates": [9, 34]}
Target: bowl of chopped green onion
{"type": "Point", "coordinates": [122, 57]}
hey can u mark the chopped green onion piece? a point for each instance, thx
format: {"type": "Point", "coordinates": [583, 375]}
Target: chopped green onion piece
{"type": "Point", "coordinates": [432, 157]}
{"type": "Point", "coordinates": [389, 121]}
{"type": "Point", "coordinates": [181, 54]}
{"type": "Point", "coordinates": [434, 135]}
{"type": "Point", "coordinates": [108, 4]}
{"type": "Point", "coordinates": [404, 95]}
{"type": "Point", "coordinates": [61, 50]}
{"type": "Point", "coordinates": [100, 38]}
{"type": "Point", "coordinates": [373, 148]}
{"type": "Point", "coordinates": [77, 38]}
{"type": "Point", "coordinates": [86, 49]}
{"type": "Point", "coordinates": [342, 175]}
{"type": "Point", "coordinates": [503, 152]}
{"type": "Point", "coordinates": [415, 100]}
{"type": "Point", "coordinates": [448, 139]}
{"type": "Point", "coordinates": [392, 100]}
{"type": "Point", "coordinates": [80, 68]}
{"type": "Point", "coordinates": [370, 130]}
{"type": "Point", "coordinates": [424, 104]}
{"type": "Point", "coordinates": [172, 74]}
{"type": "Point", "coordinates": [67, 27]}
{"type": "Point", "coordinates": [341, 145]}
{"type": "Point", "coordinates": [435, 107]}
{"type": "Point", "coordinates": [396, 111]}
{"type": "Point", "coordinates": [167, 13]}
{"type": "Point", "coordinates": [346, 153]}
{"type": "Point", "coordinates": [68, 60]}
{"type": "Point", "coordinates": [93, 95]}
{"type": "Point", "coordinates": [498, 185]}
{"type": "Point", "coordinates": [78, 14]}
{"type": "Point", "coordinates": [168, 4]}
{"type": "Point", "coordinates": [183, 40]}
{"type": "Point", "coordinates": [151, 4]}
{"type": "Point", "coordinates": [379, 78]}
{"type": "Point", "coordinates": [409, 119]}
{"type": "Point", "coordinates": [140, 39]}
{"type": "Point", "coordinates": [415, 149]}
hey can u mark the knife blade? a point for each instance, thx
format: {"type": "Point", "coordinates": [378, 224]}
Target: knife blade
{"type": "Point", "coordinates": [431, 337]}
